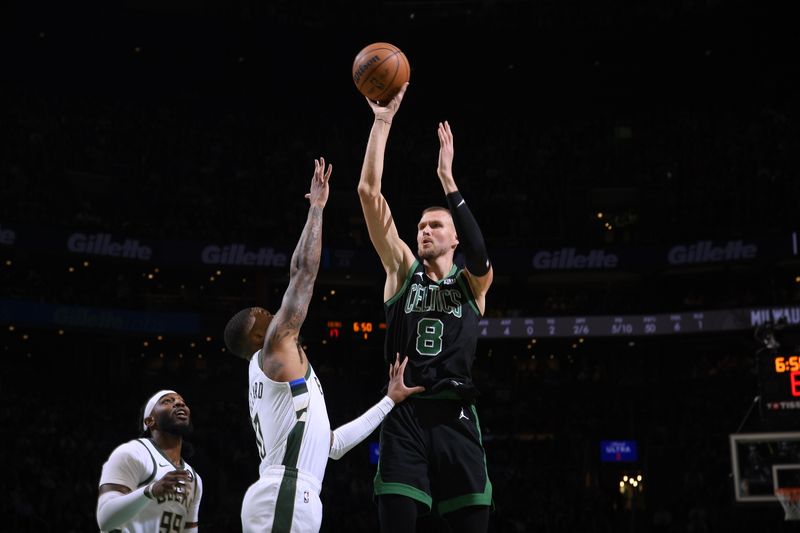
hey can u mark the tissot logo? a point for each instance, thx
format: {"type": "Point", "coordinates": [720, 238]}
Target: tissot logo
{"type": "Point", "coordinates": [707, 252]}
{"type": "Point", "coordinates": [103, 244]}
{"type": "Point", "coordinates": [238, 254]}
{"type": "Point", "coordinates": [568, 258]}
{"type": "Point", "coordinates": [7, 236]}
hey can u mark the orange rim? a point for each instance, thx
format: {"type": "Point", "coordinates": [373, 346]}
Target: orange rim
{"type": "Point", "coordinates": [792, 493]}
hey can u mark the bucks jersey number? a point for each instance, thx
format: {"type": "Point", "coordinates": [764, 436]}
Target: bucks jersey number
{"type": "Point", "coordinates": [170, 523]}
{"type": "Point", "coordinates": [429, 336]}
{"type": "Point", "coordinates": [262, 452]}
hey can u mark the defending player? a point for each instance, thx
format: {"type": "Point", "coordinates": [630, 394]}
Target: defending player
{"type": "Point", "coordinates": [287, 405]}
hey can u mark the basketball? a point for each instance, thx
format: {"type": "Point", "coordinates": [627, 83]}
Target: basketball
{"type": "Point", "coordinates": [380, 70]}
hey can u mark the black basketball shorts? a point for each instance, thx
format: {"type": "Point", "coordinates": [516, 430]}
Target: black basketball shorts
{"type": "Point", "coordinates": [431, 451]}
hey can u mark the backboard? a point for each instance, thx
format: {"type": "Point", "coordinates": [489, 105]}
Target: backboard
{"type": "Point", "coordinates": [754, 457]}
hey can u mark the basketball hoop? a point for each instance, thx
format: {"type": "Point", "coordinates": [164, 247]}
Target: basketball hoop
{"type": "Point", "coordinates": [790, 499]}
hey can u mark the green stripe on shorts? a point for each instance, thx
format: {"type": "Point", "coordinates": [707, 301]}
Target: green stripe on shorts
{"type": "Point", "coordinates": [401, 489]}
{"type": "Point", "coordinates": [284, 506]}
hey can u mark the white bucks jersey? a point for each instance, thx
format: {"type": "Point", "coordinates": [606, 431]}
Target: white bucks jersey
{"type": "Point", "coordinates": [138, 463]}
{"type": "Point", "coordinates": [290, 421]}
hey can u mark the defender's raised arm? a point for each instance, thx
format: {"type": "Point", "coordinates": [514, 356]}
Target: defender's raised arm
{"type": "Point", "coordinates": [281, 358]}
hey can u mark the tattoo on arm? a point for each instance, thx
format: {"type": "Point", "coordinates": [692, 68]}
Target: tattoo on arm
{"type": "Point", "coordinates": [303, 273]}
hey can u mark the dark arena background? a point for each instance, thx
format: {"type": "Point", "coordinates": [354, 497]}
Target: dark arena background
{"type": "Point", "coordinates": [633, 167]}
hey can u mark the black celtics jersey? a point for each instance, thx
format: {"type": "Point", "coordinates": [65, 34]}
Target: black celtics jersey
{"type": "Point", "coordinates": [434, 323]}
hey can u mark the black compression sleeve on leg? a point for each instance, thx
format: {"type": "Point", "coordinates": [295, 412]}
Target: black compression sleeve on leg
{"type": "Point", "coordinates": [469, 235]}
{"type": "Point", "coordinates": [473, 519]}
{"type": "Point", "coordinates": [397, 514]}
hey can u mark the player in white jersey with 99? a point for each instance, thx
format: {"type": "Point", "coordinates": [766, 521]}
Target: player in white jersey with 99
{"type": "Point", "coordinates": [287, 406]}
{"type": "Point", "coordinates": [145, 485]}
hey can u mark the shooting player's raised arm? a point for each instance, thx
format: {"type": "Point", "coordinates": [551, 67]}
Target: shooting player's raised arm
{"type": "Point", "coordinates": [395, 254]}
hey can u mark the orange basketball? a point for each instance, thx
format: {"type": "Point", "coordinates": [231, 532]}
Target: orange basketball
{"type": "Point", "coordinates": [380, 70]}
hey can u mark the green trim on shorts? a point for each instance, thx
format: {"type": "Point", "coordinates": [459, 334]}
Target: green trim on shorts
{"type": "Point", "coordinates": [284, 505]}
{"type": "Point", "coordinates": [401, 489]}
{"type": "Point", "coordinates": [477, 498]}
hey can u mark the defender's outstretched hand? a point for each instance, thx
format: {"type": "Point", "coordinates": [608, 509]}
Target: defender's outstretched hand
{"type": "Point", "coordinates": [397, 388]}
{"type": "Point", "coordinates": [319, 183]}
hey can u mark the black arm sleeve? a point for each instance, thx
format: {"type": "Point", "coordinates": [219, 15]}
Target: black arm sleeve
{"type": "Point", "coordinates": [469, 235]}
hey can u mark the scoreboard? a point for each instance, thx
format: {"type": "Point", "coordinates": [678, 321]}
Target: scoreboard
{"type": "Point", "coordinates": [599, 325]}
{"type": "Point", "coordinates": [352, 329]}
{"type": "Point", "coordinates": [779, 383]}
{"type": "Point", "coordinates": [636, 325]}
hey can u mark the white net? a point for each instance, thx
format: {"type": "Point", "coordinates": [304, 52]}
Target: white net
{"type": "Point", "coordinates": [790, 500]}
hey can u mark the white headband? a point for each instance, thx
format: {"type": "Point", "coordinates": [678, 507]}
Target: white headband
{"type": "Point", "coordinates": [151, 403]}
